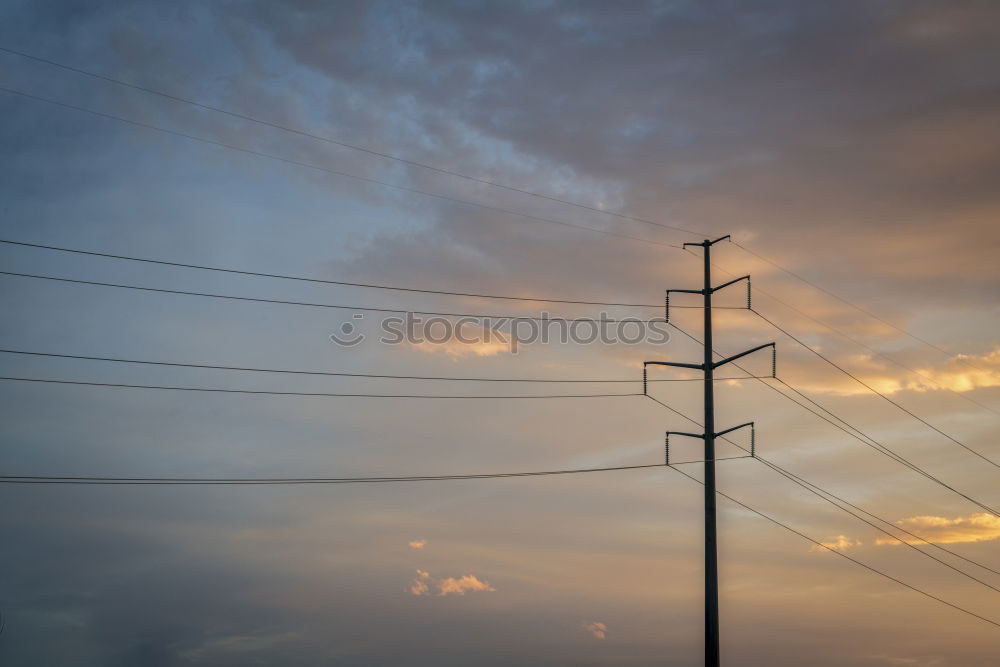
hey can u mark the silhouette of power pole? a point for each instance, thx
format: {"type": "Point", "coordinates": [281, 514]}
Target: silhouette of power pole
{"type": "Point", "coordinates": [708, 366]}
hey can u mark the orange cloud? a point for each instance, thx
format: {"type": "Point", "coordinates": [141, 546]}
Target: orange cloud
{"type": "Point", "coordinates": [457, 349]}
{"type": "Point", "coordinates": [955, 374]}
{"type": "Point", "coordinates": [596, 628]}
{"type": "Point", "coordinates": [465, 583]}
{"type": "Point", "coordinates": [422, 583]}
{"type": "Point", "coordinates": [419, 585]}
{"type": "Point", "coordinates": [840, 543]}
{"type": "Point", "coordinates": [418, 544]}
{"type": "Point", "coordinates": [974, 528]}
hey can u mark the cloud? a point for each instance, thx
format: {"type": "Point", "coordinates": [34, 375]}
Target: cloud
{"type": "Point", "coordinates": [418, 544]}
{"type": "Point", "coordinates": [596, 628]}
{"type": "Point", "coordinates": [465, 583]}
{"type": "Point", "coordinates": [840, 543]}
{"type": "Point", "coordinates": [974, 528]}
{"type": "Point", "coordinates": [456, 349]}
{"type": "Point", "coordinates": [423, 582]}
{"type": "Point", "coordinates": [419, 585]}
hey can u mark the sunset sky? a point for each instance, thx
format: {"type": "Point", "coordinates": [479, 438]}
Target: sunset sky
{"type": "Point", "coordinates": [851, 149]}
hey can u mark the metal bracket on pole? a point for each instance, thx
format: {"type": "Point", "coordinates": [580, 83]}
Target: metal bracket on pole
{"type": "Point", "coordinates": [725, 361]}
{"type": "Point", "coordinates": [666, 441]}
{"type": "Point", "coordinates": [731, 282]}
{"type": "Point", "coordinates": [753, 435]}
{"type": "Point", "coordinates": [666, 299]}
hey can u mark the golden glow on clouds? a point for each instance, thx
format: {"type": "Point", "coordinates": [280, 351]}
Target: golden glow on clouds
{"type": "Point", "coordinates": [424, 582]}
{"type": "Point", "coordinates": [457, 349]}
{"type": "Point", "coordinates": [419, 585]}
{"type": "Point", "coordinates": [840, 543]}
{"type": "Point", "coordinates": [465, 583]}
{"type": "Point", "coordinates": [974, 528]}
{"type": "Point", "coordinates": [418, 544]}
{"type": "Point", "coordinates": [597, 629]}
{"type": "Point", "coordinates": [955, 375]}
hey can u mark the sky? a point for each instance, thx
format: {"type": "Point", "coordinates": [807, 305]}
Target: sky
{"type": "Point", "coordinates": [852, 144]}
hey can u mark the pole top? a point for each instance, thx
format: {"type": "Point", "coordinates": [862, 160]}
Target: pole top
{"type": "Point", "coordinates": [707, 243]}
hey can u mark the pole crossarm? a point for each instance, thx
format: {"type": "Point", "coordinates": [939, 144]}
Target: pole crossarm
{"type": "Point", "coordinates": [677, 364]}
{"type": "Point", "coordinates": [731, 282]}
{"type": "Point", "coordinates": [706, 243]}
{"type": "Point", "coordinates": [700, 436]}
{"type": "Point", "coordinates": [733, 428]}
{"type": "Point", "coordinates": [723, 362]}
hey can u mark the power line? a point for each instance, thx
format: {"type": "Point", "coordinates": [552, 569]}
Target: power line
{"type": "Point", "coordinates": [872, 443]}
{"type": "Point", "coordinates": [852, 305]}
{"type": "Point", "coordinates": [834, 499]}
{"type": "Point", "coordinates": [371, 309]}
{"type": "Point", "coordinates": [335, 172]}
{"type": "Point", "coordinates": [877, 353]}
{"type": "Point", "coordinates": [484, 181]}
{"type": "Point", "coordinates": [338, 282]}
{"type": "Point", "coordinates": [329, 140]}
{"type": "Point", "coordinates": [864, 439]}
{"type": "Point", "coordinates": [866, 347]}
{"type": "Point", "coordinates": [345, 374]}
{"type": "Point", "coordinates": [311, 135]}
{"type": "Point", "coordinates": [876, 391]}
{"type": "Point", "coordinates": [215, 390]}
{"type": "Point", "coordinates": [842, 554]}
{"type": "Point", "coordinates": [247, 481]}
{"type": "Point", "coordinates": [822, 493]}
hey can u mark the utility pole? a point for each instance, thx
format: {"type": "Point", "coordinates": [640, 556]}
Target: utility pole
{"type": "Point", "coordinates": [708, 367]}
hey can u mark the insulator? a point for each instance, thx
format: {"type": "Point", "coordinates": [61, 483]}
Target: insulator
{"type": "Point", "coordinates": [774, 362]}
{"type": "Point", "coordinates": [644, 382]}
{"type": "Point", "coordinates": [666, 449]}
{"type": "Point", "coordinates": [666, 307]}
{"type": "Point", "coordinates": [753, 440]}
{"type": "Point", "coordinates": [749, 307]}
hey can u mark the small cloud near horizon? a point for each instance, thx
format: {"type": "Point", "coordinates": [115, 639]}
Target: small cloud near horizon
{"type": "Point", "coordinates": [839, 543]}
{"type": "Point", "coordinates": [418, 544]}
{"type": "Point", "coordinates": [597, 629]}
{"type": "Point", "coordinates": [466, 583]}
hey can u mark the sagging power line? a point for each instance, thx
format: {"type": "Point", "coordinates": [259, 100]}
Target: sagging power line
{"type": "Point", "coordinates": [448, 378]}
{"type": "Point", "coordinates": [451, 172]}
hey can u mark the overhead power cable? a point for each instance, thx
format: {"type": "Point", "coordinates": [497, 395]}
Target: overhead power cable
{"type": "Point", "coordinates": [855, 433]}
{"type": "Point", "coordinates": [844, 555]}
{"type": "Point", "coordinates": [875, 391]}
{"type": "Point", "coordinates": [286, 302]}
{"type": "Point", "coordinates": [836, 500]}
{"type": "Point", "coordinates": [450, 172]}
{"type": "Point", "coordinates": [394, 288]}
{"type": "Point", "coordinates": [870, 349]}
{"type": "Point", "coordinates": [343, 144]}
{"type": "Point", "coordinates": [843, 505]}
{"type": "Point", "coordinates": [347, 374]}
{"type": "Point", "coordinates": [873, 351]}
{"type": "Point", "coordinates": [214, 390]}
{"type": "Point", "coordinates": [849, 303]}
{"type": "Point", "coordinates": [250, 481]}
{"type": "Point", "coordinates": [335, 172]}
{"type": "Point", "coordinates": [847, 507]}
